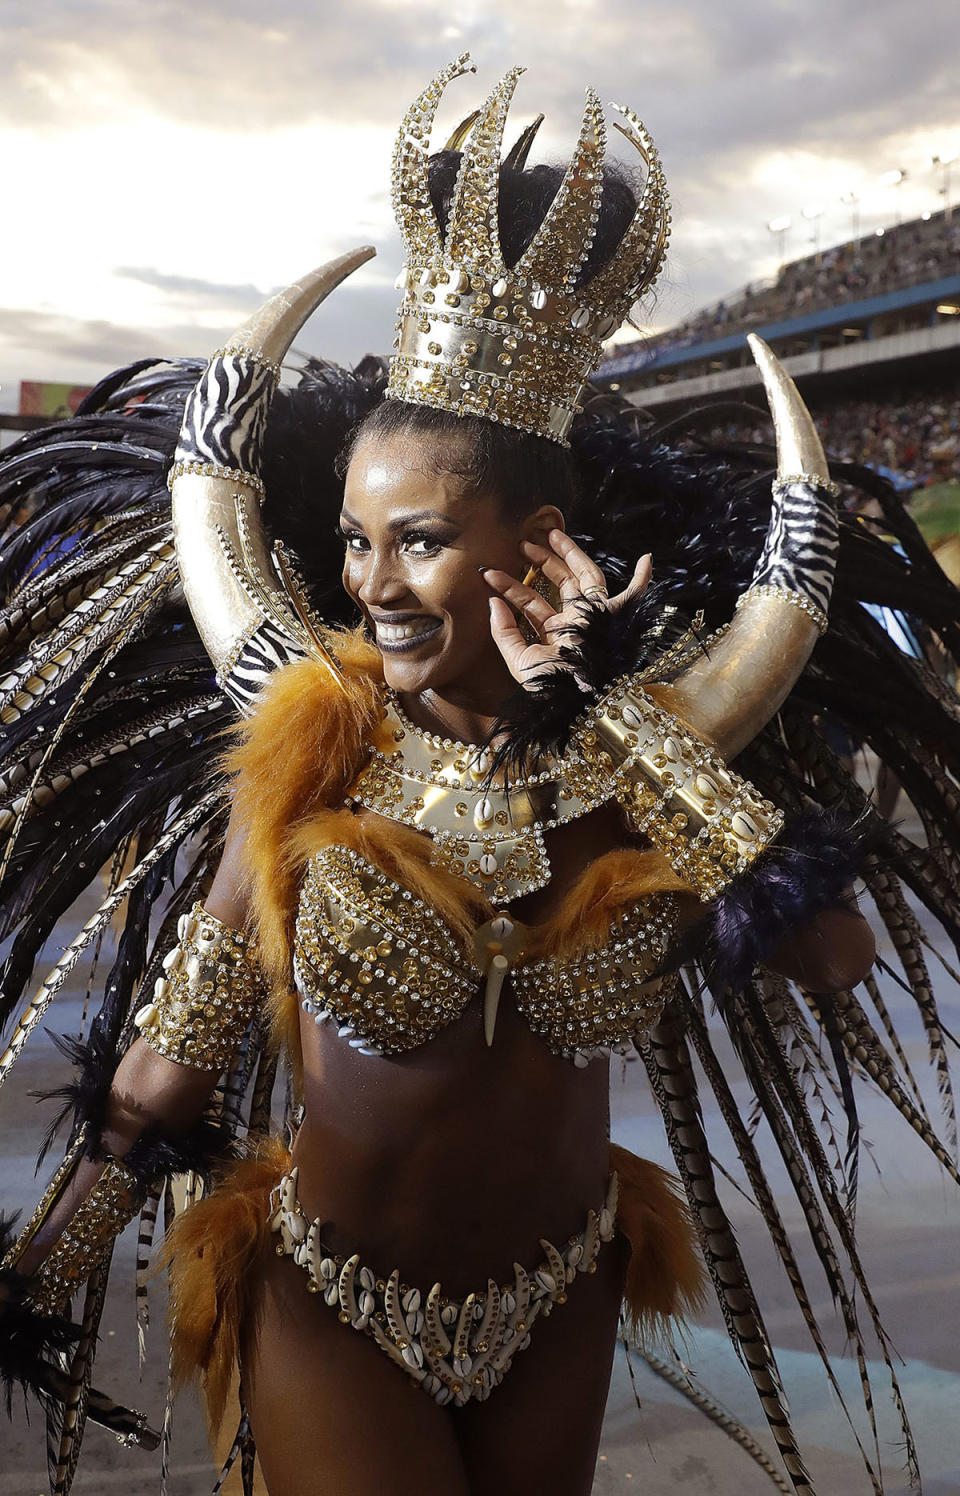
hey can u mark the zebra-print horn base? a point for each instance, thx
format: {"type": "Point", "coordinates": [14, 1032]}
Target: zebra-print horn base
{"type": "Point", "coordinates": [729, 694]}
{"type": "Point", "coordinates": [229, 579]}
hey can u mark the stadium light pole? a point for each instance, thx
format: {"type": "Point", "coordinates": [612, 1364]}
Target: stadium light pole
{"type": "Point", "coordinates": [779, 226]}
{"type": "Point", "coordinates": [944, 163]}
{"type": "Point", "coordinates": [851, 200]}
{"type": "Point", "coordinates": [813, 213]}
{"type": "Point", "coordinates": [895, 178]}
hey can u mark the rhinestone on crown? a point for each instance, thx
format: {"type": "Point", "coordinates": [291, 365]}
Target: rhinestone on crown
{"type": "Point", "coordinates": [513, 344]}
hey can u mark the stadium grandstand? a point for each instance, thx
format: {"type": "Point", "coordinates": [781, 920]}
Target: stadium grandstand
{"type": "Point", "coordinates": [870, 331]}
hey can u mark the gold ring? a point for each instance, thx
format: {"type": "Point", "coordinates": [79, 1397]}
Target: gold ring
{"type": "Point", "coordinates": [595, 591]}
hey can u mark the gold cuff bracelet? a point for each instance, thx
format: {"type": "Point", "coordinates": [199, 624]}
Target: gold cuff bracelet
{"type": "Point", "coordinates": [210, 991]}
{"type": "Point", "coordinates": [676, 790]}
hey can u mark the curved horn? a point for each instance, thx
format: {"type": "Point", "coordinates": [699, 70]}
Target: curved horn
{"type": "Point", "coordinates": [456, 138]}
{"type": "Point", "coordinates": [728, 696]}
{"type": "Point", "coordinates": [229, 580]}
{"type": "Point", "coordinates": [516, 157]}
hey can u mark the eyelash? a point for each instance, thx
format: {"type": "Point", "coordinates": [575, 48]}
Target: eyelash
{"type": "Point", "coordinates": [414, 537]}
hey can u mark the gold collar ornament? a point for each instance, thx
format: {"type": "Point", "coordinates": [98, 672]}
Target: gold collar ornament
{"type": "Point", "coordinates": [516, 343]}
{"type": "Point", "coordinates": [488, 833]}
{"type": "Point", "coordinates": [708, 820]}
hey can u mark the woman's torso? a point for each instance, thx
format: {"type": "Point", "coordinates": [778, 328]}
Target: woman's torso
{"type": "Point", "coordinates": [453, 1159]}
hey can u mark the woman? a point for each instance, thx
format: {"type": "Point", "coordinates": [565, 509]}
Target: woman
{"type": "Point", "coordinates": [455, 941]}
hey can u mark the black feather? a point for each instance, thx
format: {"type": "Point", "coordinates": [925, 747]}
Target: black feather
{"type": "Point", "coordinates": [32, 1344]}
{"type": "Point", "coordinates": [803, 872]}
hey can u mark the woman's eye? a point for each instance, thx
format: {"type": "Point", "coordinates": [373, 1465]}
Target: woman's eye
{"type": "Point", "coordinates": [421, 545]}
{"type": "Point", "coordinates": [352, 540]}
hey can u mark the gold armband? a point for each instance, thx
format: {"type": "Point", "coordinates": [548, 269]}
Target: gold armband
{"type": "Point", "coordinates": [676, 790]}
{"type": "Point", "coordinates": [88, 1236]}
{"type": "Point", "coordinates": [201, 1007]}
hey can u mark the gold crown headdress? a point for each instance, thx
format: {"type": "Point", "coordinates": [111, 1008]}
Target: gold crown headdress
{"type": "Point", "coordinates": [513, 344]}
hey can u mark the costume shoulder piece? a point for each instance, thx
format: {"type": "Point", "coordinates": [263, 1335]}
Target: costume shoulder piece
{"type": "Point", "coordinates": [295, 757]}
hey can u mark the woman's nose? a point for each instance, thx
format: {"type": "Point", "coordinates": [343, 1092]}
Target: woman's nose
{"type": "Point", "coordinates": [383, 582]}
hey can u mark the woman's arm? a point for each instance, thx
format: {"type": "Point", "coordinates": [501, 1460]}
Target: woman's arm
{"type": "Point", "coordinates": [833, 952]}
{"type": "Point", "coordinates": [151, 1094]}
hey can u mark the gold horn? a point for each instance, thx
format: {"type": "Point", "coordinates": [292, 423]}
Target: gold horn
{"type": "Point", "coordinates": [217, 530]}
{"type": "Point", "coordinates": [455, 140]}
{"type": "Point", "coordinates": [729, 695]}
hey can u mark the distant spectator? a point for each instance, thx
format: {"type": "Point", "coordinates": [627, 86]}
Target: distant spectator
{"type": "Point", "coordinates": [913, 436]}
{"type": "Point", "coordinates": [902, 256]}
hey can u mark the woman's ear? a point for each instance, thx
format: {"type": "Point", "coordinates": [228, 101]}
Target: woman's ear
{"type": "Point", "coordinates": [537, 526]}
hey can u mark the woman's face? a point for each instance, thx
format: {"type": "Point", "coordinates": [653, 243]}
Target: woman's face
{"type": "Point", "coordinates": [415, 543]}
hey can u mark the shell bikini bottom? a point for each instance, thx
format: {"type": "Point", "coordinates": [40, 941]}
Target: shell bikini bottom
{"type": "Point", "coordinates": [457, 1350]}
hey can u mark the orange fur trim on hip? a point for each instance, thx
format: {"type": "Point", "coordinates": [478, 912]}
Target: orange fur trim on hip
{"type": "Point", "coordinates": [211, 1250]}
{"type": "Point", "coordinates": [665, 1277]}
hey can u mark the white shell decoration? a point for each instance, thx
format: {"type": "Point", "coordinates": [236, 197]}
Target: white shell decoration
{"type": "Point", "coordinates": [480, 765]}
{"type": "Point", "coordinates": [743, 827]}
{"type": "Point", "coordinates": [499, 287]}
{"type": "Point", "coordinates": [488, 864]}
{"type": "Point", "coordinates": [580, 318]}
{"type": "Point", "coordinates": [705, 786]}
{"type": "Point", "coordinates": [538, 299]}
{"type": "Point", "coordinates": [631, 716]}
{"type": "Point", "coordinates": [483, 813]}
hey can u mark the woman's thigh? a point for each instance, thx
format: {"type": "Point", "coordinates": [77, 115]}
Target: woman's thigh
{"type": "Point", "coordinates": [540, 1429]}
{"type": "Point", "coordinates": [329, 1412]}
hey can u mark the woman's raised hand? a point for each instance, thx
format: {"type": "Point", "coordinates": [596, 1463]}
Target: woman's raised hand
{"type": "Point", "coordinates": [580, 583]}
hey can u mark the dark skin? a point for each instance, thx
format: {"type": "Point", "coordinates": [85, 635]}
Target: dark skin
{"type": "Point", "coordinates": [450, 1161]}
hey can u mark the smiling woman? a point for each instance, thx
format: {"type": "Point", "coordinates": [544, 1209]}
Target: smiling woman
{"type": "Point", "coordinates": [478, 830]}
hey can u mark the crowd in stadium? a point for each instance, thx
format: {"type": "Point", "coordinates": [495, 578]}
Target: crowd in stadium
{"type": "Point", "coordinates": [916, 436]}
{"type": "Point", "coordinates": [905, 255]}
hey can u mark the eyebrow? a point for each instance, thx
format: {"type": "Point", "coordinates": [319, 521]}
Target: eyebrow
{"type": "Point", "coordinates": [403, 520]}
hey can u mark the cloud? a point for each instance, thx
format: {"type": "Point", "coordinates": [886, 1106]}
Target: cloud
{"type": "Point", "coordinates": [64, 349]}
{"type": "Point", "coordinates": [193, 287]}
{"type": "Point", "coordinates": [216, 149]}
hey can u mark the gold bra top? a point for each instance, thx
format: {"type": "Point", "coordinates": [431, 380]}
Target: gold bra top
{"type": "Point", "coordinates": [374, 959]}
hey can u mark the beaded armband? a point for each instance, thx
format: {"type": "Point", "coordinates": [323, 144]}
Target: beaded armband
{"type": "Point", "coordinates": [209, 993]}
{"type": "Point", "coordinates": [98, 1220]}
{"type": "Point", "coordinates": [676, 790]}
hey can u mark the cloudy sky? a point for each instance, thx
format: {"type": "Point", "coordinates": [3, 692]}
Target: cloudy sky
{"type": "Point", "coordinates": [167, 164]}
